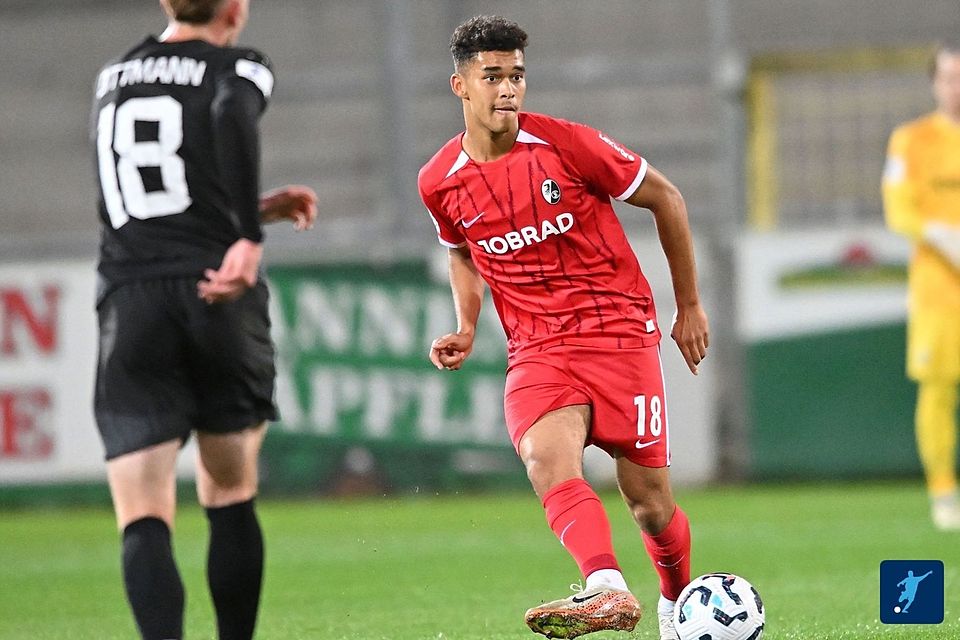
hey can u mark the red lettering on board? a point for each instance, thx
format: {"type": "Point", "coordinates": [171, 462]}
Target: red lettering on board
{"type": "Point", "coordinates": [41, 324]}
{"type": "Point", "coordinates": [24, 423]}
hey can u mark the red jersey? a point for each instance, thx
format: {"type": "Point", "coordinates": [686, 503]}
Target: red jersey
{"type": "Point", "coordinates": [544, 236]}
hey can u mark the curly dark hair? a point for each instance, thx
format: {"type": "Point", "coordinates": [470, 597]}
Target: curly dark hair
{"type": "Point", "coordinates": [485, 33]}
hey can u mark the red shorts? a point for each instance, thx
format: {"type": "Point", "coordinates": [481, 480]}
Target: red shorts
{"type": "Point", "coordinates": [624, 388]}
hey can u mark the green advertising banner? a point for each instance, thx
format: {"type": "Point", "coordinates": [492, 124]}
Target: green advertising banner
{"type": "Point", "coordinates": [363, 409]}
{"type": "Point", "coordinates": [822, 320]}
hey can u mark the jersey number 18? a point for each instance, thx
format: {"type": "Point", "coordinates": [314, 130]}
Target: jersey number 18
{"type": "Point", "coordinates": [120, 157]}
{"type": "Point", "coordinates": [656, 416]}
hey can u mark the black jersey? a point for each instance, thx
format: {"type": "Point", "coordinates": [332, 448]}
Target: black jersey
{"type": "Point", "coordinates": [175, 133]}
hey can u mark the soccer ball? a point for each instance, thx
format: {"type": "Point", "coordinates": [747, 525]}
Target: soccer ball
{"type": "Point", "coordinates": [719, 606]}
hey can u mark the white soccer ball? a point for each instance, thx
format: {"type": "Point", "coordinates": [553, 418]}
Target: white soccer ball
{"type": "Point", "coordinates": [719, 606]}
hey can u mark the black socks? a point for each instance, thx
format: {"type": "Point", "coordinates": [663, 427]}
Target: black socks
{"type": "Point", "coordinates": [234, 572]}
{"type": "Point", "coordinates": [235, 568]}
{"type": "Point", "coordinates": [152, 581]}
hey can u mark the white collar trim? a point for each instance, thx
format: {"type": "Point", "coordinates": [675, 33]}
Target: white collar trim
{"type": "Point", "coordinates": [461, 162]}
{"type": "Point", "coordinates": [529, 138]}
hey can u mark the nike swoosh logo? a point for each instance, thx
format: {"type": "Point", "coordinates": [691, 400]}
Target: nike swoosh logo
{"type": "Point", "coordinates": [564, 532]}
{"type": "Point", "coordinates": [670, 566]}
{"type": "Point", "coordinates": [467, 225]}
{"type": "Point", "coordinates": [579, 599]}
{"type": "Point", "coordinates": [644, 445]}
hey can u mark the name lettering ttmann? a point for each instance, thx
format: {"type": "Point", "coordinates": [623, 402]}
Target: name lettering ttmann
{"type": "Point", "coordinates": [162, 70]}
{"type": "Point", "coordinates": [525, 236]}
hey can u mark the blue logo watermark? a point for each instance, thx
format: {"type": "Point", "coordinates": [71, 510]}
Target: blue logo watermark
{"type": "Point", "coordinates": [911, 592]}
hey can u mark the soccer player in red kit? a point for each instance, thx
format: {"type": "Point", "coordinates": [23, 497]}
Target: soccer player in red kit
{"type": "Point", "coordinates": [522, 202]}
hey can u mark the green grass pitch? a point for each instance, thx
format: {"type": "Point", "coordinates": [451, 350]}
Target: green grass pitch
{"type": "Point", "coordinates": [466, 567]}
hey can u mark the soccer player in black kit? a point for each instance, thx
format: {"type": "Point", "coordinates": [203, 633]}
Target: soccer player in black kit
{"type": "Point", "coordinates": [184, 331]}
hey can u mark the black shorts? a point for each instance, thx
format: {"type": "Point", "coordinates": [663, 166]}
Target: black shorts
{"type": "Point", "coordinates": [170, 363]}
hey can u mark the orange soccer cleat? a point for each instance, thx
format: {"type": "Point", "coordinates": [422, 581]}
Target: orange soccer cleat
{"type": "Point", "coordinates": [597, 609]}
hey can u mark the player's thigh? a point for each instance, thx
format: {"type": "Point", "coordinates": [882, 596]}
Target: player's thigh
{"type": "Point", "coordinates": [552, 448]}
{"type": "Point", "coordinates": [547, 416]}
{"type": "Point", "coordinates": [227, 465]}
{"type": "Point", "coordinates": [143, 483]}
{"type": "Point", "coordinates": [536, 385]}
{"type": "Point", "coordinates": [629, 400]}
{"type": "Point", "coordinates": [232, 362]}
{"type": "Point", "coordinates": [933, 345]}
{"type": "Point", "coordinates": [143, 394]}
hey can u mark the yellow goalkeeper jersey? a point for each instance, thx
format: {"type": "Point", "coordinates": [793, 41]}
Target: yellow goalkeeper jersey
{"type": "Point", "coordinates": [921, 184]}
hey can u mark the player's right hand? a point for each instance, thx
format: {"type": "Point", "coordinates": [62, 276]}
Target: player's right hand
{"type": "Point", "coordinates": [449, 351]}
{"type": "Point", "coordinates": [237, 273]}
{"type": "Point", "coordinates": [945, 238]}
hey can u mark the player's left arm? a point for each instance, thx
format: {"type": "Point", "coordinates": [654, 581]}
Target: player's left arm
{"type": "Point", "coordinates": [235, 113]}
{"type": "Point", "coordinates": [241, 97]}
{"type": "Point", "coordinates": [691, 329]}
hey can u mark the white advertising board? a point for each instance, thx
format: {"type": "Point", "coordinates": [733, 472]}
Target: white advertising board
{"type": "Point", "coordinates": [794, 283]}
{"type": "Point", "coordinates": [48, 351]}
{"type": "Point", "coordinates": [47, 354]}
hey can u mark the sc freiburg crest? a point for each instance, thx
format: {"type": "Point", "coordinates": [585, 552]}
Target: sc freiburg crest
{"type": "Point", "coordinates": [550, 191]}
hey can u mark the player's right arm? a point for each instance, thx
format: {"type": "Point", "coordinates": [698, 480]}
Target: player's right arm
{"type": "Point", "coordinates": [902, 202]}
{"type": "Point", "coordinates": [900, 205]}
{"type": "Point", "coordinates": [450, 351]}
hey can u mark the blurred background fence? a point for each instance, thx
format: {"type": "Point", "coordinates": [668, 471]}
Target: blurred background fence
{"type": "Point", "coordinates": [771, 116]}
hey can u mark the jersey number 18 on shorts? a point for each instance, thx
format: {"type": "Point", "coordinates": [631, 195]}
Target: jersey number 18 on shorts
{"type": "Point", "coordinates": [655, 422]}
{"type": "Point", "coordinates": [124, 193]}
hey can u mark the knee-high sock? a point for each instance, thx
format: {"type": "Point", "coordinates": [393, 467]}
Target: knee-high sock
{"type": "Point", "coordinates": [235, 568]}
{"type": "Point", "coordinates": [669, 551]}
{"type": "Point", "coordinates": [937, 435]}
{"type": "Point", "coordinates": [576, 515]}
{"type": "Point", "coordinates": [151, 579]}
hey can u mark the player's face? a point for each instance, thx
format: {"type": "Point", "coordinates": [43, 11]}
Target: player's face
{"type": "Point", "coordinates": [946, 83]}
{"type": "Point", "coordinates": [492, 87]}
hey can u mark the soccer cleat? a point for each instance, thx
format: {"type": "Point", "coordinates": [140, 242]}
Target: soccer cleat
{"type": "Point", "coordinates": [667, 630]}
{"type": "Point", "coordinates": [598, 609]}
{"type": "Point", "coordinates": [946, 514]}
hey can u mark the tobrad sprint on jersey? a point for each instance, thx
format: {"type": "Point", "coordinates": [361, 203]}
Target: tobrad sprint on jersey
{"type": "Point", "coordinates": [540, 229]}
{"type": "Point", "coordinates": [525, 236]}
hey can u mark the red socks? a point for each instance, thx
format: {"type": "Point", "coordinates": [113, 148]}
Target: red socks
{"type": "Point", "coordinates": [670, 552]}
{"type": "Point", "coordinates": [576, 515]}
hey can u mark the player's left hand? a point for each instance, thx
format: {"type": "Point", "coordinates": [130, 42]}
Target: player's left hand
{"type": "Point", "coordinates": [691, 332]}
{"type": "Point", "coordinates": [237, 273]}
{"type": "Point", "coordinates": [293, 202]}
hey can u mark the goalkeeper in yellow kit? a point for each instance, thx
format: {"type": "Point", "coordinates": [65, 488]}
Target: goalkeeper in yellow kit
{"type": "Point", "coordinates": [921, 196]}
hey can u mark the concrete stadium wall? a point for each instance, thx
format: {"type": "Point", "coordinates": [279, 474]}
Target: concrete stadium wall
{"type": "Point", "coordinates": [639, 70]}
